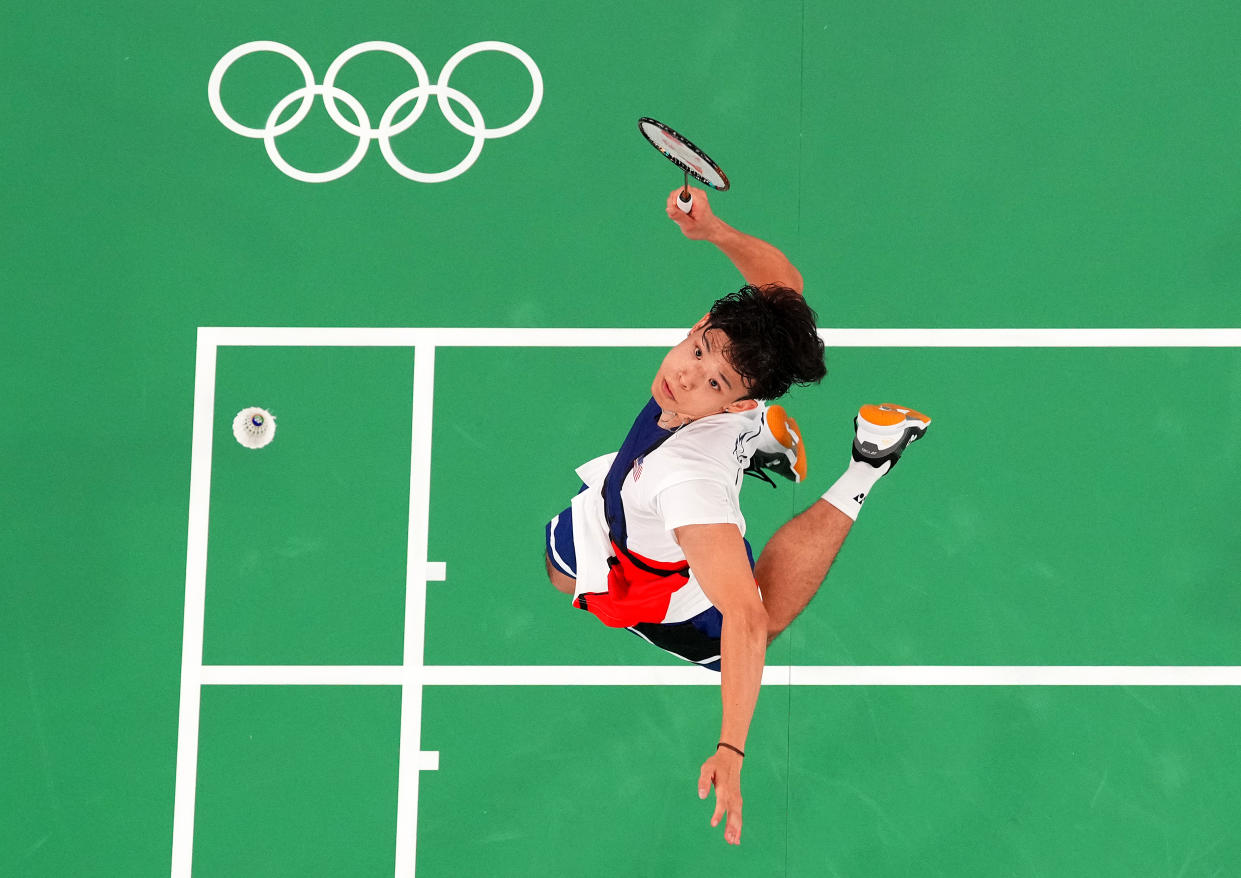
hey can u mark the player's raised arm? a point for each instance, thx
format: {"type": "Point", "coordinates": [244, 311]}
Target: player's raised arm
{"type": "Point", "coordinates": [716, 554]}
{"type": "Point", "coordinates": [759, 262]}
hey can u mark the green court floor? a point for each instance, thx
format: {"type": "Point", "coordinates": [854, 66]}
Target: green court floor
{"type": "Point", "coordinates": [949, 166]}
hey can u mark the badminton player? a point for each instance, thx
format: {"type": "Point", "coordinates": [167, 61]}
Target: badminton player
{"type": "Point", "coordinates": [655, 540]}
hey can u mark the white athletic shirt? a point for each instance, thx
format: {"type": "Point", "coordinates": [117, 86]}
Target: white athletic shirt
{"type": "Point", "coordinates": [694, 477]}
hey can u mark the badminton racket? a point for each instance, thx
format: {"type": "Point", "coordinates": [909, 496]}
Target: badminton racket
{"type": "Point", "coordinates": [680, 150]}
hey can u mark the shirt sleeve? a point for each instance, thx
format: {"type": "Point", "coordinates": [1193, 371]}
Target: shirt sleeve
{"type": "Point", "coordinates": [697, 501]}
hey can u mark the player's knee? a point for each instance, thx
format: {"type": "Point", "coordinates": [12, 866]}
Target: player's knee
{"type": "Point", "coordinates": [562, 583]}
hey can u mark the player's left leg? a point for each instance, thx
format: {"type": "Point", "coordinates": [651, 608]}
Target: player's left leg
{"type": "Point", "coordinates": [562, 583]}
{"type": "Point", "coordinates": [779, 448]}
{"type": "Point", "coordinates": [796, 559]}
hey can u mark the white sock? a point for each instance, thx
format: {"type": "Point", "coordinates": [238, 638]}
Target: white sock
{"type": "Point", "coordinates": [851, 489]}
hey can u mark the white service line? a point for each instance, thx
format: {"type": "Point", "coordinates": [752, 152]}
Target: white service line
{"type": "Point", "coordinates": [259, 336]}
{"type": "Point", "coordinates": [195, 605]}
{"type": "Point", "coordinates": [410, 764]}
{"type": "Point", "coordinates": [456, 336]}
{"type": "Point", "coordinates": [307, 675]}
{"type": "Point", "coordinates": [1015, 675]}
{"type": "Point", "coordinates": [689, 675]}
{"type": "Point", "coordinates": [836, 675]}
{"type": "Point", "coordinates": [1032, 338]}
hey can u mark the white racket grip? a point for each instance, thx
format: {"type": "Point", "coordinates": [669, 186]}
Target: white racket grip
{"type": "Point", "coordinates": [685, 201]}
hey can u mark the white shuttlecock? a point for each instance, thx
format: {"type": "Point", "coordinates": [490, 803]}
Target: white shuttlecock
{"type": "Point", "coordinates": [254, 427]}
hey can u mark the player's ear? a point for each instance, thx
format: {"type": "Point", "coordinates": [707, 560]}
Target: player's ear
{"type": "Point", "coordinates": [742, 405]}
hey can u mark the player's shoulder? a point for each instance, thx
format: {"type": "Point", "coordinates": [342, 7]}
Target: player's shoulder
{"type": "Point", "coordinates": [724, 440]}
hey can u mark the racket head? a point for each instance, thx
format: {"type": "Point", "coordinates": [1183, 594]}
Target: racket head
{"type": "Point", "coordinates": [680, 150]}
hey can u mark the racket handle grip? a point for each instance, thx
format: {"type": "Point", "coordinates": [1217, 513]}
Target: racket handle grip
{"type": "Point", "coordinates": [685, 201]}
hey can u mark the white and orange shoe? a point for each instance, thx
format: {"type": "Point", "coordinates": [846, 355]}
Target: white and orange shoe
{"type": "Point", "coordinates": [883, 432]}
{"type": "Point", "coordinates": [780, 448]}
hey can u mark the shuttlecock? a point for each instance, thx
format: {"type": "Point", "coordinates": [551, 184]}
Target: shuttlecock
{"type": "Point", "coordinates": [254, 427]}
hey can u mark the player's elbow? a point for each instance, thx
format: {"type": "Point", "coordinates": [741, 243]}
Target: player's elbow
{"type": "Point", "coordinates": [789, 279]}
{"type": "Point", "coordinates": [795, 281]}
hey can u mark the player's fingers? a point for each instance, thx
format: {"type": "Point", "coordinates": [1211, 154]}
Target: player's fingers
{"type": "Point", "coordinates": [678, 216]}
{"type": "Point", "coordinates": [732, 830]}
{"type": "Point", "coordinates": [698, 195]}
{"type": "Point", "coordinates": [719, 809]}
{"type": "Point", "coordinates": [704, 780]}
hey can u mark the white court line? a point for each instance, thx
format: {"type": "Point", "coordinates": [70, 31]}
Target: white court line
{"type": "Point", "coordinates": [621, 337]}
{"type": "Point", "coordinates": [306, 675]}
{"type": "Point", "coordinates": [688, 675]}
{"type": "Point", "coordinates": [443, 337]}
{"type": "Point", "coordinates": [409, 765]}
{"type": "Point", "coordinates": [411, 676]}
{"type": "Point", "coordinates": [195, 603]}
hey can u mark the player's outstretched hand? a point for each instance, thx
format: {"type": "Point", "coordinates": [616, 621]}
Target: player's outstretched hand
{"type": "Point", "coordinates": [700, 222]}
{"type": "Point", "coordinates": [723, 771]}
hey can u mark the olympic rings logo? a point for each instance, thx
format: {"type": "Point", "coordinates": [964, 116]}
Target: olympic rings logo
{"type": "Point", "coordinates": [388, 127]}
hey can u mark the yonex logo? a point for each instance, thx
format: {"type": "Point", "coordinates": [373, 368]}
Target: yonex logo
{"type": "Point", "coordinates": [388, 127]}
{"type": "Point", "coordinates": [859, 498]}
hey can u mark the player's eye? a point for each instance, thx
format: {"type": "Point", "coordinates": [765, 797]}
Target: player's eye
{"type": "Point", "coordinates": [715, 384]}
{"type": "Point", "coordinates": [698, 353]}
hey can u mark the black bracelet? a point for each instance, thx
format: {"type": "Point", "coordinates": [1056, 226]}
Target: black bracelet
{"type": "Point", "coordinates": [740, 753]}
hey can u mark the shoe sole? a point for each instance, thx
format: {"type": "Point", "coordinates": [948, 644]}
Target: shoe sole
{"type": "Point", "coordinates": [891, 415]}
{"type": "Point", "coordinates": [788, 434]}
{"type": "Point", "coordinates": [893, 429]}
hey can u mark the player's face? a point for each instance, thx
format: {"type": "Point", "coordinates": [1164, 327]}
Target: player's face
{"type": "Point", "coordinates": [696, 379]}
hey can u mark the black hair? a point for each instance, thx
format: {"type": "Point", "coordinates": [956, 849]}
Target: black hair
{"type": "Point", "coordinates": [773, 341]}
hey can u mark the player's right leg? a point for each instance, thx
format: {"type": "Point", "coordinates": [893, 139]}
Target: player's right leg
{"type": "Point", "coordinates": [796, 559]}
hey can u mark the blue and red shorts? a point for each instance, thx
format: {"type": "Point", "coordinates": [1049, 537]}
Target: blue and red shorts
{"type": "Point", "coordinates": [695, 640]}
